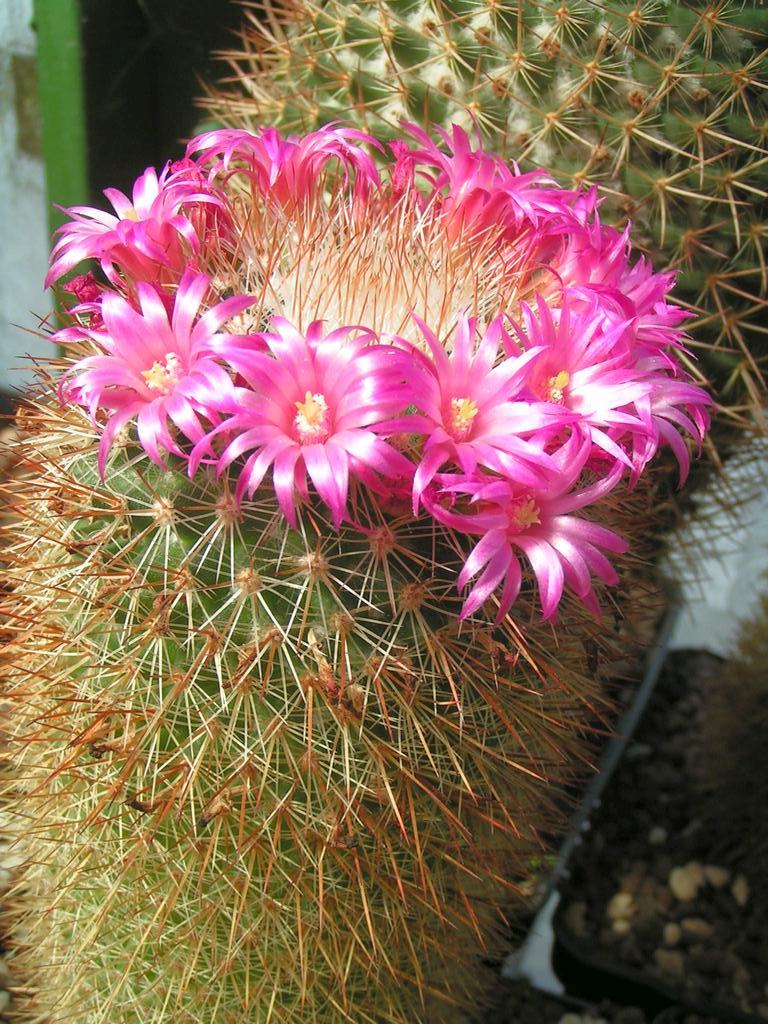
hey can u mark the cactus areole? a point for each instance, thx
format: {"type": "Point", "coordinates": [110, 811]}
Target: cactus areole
{"type": "Point", "coordinates": [329, 493]}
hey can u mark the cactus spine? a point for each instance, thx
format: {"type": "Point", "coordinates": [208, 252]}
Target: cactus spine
{"type": "Point", "coordinates": [270, 777]}
{"type": "Point", "coordinates": [663, 105]}
{"type": "Point", "coordinates": [265, 768]}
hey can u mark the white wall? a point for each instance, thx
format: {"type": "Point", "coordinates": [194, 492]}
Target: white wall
{"type": "Point", "coordinates": [24, 238]}
{"type": "Point", "coordinates": [722, 556]}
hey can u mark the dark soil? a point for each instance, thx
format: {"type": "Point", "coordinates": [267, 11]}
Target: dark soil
{"type": "Point", "coordinates": [650, 889]}
{"type": "Point", "coordinates": [681, 1017]}
{"type": "Point", "coordinates": [518, 1003]}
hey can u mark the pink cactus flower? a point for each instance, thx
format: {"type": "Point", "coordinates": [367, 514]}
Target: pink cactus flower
{"type": "Point", "coordinates": [588, 366]}
{"type": "Point", "coordinates": [153, 365]}
{"type": "Point", "coordinates": [87, 291]}
{"type": "Point", "coordinates": [595, 262]}
{"type": "Point", "coordinates": [563, 550]}
{"type": "Point", "coordinates": [468, 410]}
{"type": "Point", "coordinates": [313, 407]}
{"type": "Point", "coordinates": [149, 234]}
{"type": "Point", "coordinates": [476, 190]}
{"type": "Point", "coordinates": [85, 288]}
{"type": "Point", "coordinates": [288, 169]}
{"type": "Point", "coordinates": [673, 405]}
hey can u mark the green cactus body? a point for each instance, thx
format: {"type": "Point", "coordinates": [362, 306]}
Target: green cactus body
{"type": "Point", "coordinates": [662, 105]}
{"type": "Point", "coordinates": [270, 776]}
{"type": "Point", "coordinates": [263, 774]}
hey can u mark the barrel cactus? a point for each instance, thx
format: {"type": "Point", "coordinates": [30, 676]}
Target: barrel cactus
{"type": "Point", "coordinates": [661, 104]}
{"type": "Point", "coordinates": [314, 520]}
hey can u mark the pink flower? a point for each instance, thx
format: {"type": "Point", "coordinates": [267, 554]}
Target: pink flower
{"type": "Point", "coordinates": [312, 408]}
{"type": "Point", "coordinates": [468, 412]}
{"type": "Point", "coordinates": [153, 366]}
{"type": "Point", "coordinates": [673, 405]}
{"type": "Point", "coordinates": [588, 366]}
{"type": "Point", "coordinates": [288, 169]}
{"type": "Point", "coordinates": [150, 233]}
{"type": "Point", "coordinates": [87, 290]}
{"type": "Point", "coordinates": [595, 263]}
{"type": "Point", "coordinates": [598, 369]}
{"type": "Point", "coordinates": [476, 190]}
{"type": "Point", "coordinates": [562, 549]}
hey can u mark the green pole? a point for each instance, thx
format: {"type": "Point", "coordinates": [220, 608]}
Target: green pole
{"type": "Point", "coordinates": [62, 103]}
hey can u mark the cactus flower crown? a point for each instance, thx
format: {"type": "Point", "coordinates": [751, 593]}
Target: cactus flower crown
{"type": "Point", "coordinates": [434, 334]}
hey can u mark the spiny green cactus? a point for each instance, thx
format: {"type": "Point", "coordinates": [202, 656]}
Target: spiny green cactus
{"type": "Point", "coordinates": [261, 773]}
{"type": "Point", "coordinates": [663, 105]}
{"type": "Point", "coordinates": [269, 761]}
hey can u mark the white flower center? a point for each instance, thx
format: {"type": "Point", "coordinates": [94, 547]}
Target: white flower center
{"type": "Point", "coordinates": [311, 424]}
{"type": "Point", "coordinates": [163, 376]}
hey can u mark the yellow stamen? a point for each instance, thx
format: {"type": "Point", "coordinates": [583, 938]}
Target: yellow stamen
{"type": "Point", "coordinates": [556, 385]}
{"type": "Point", "coordinates": [163, 376]}
{"type": "Point", "coordinates": [463, 412]}
{"type": "Point", "coordinates": [312, 410]}
{"type": "Point", "coordinates": [311, 420]}
{"type": "Point", "coordinates": [525, 514]}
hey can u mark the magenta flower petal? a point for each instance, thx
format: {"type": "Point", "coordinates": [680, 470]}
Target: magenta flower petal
{"type": "Point", "coordinates": [548, 569]}
{"type": "Point", "coordinates": [497, 567]}
{"type": "Point", "coordinates": [469, 407]}
{"type": "Point", "coordinates": [314, 408]}
{"type": "Point", "coordinates": [114, 425]}
{"type": "Point", "coordinates": [574, 564]}
{"type": "Point", "coordinates": [160, 364]}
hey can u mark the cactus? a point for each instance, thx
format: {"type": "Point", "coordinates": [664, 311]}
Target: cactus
{"type": "Point", "coordinates": [284, 748]}
{"type": "Point", "coordinates": [661, 104]}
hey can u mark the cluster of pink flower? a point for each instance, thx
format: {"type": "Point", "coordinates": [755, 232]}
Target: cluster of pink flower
{"type": "Point", "coordinates": [500, 430]}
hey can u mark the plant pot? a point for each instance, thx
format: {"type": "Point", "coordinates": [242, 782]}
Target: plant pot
{"type": "Point", "coordinates": [652, 914]}
{"type": "Point", "coordinates": [586, 974]}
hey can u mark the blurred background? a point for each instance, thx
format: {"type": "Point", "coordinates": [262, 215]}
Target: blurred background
{"type": "Point", "coordinates": [23, 206]}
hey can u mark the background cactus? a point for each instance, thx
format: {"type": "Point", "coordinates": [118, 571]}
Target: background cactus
{"type": "Point", "coordinates": [662, 104]}
{"type": "Point", "coordinates": [268, 762]}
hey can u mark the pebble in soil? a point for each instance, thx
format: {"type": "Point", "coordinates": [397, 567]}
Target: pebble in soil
{"type": "Point", "coordinates": [648, 887]}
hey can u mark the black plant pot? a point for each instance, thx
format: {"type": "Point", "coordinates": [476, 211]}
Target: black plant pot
{"type": "Point", "coordinates": [653, 790]}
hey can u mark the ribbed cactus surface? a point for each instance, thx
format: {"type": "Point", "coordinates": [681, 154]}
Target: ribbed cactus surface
{"type": "Point", "coordinates": [327, 451]}
{"type": "Point", "coordinates": [265, 775]}
{"type": "Point", "coordinates": [662, 104]}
